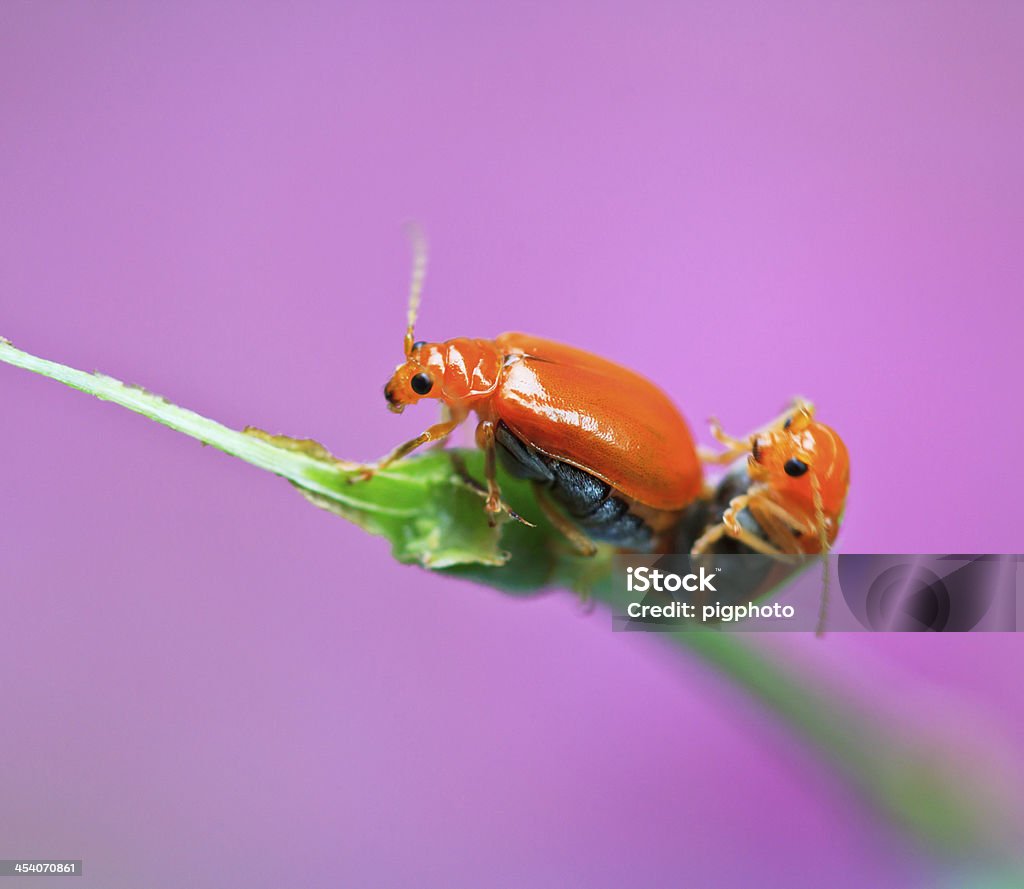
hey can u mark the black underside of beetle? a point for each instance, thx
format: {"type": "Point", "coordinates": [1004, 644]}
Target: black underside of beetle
{"type": "Point", "coordinates": [749, 574]}
{"type": "Point", "coordinates": [589, 502]}
{"type": "Point", "coordinates": [708, 511]}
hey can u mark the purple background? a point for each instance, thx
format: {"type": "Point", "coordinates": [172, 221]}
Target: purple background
{"type": "Point", "coordinates": [206, 682]}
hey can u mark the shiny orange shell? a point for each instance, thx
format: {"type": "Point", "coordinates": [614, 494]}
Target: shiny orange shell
{"type": "Point", "coordinates": [598, 416]}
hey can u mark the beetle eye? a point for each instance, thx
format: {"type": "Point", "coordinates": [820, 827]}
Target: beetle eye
{"type": "Point", "coordinates": [421, 383]}
{"type": "Point", "coordinates": [418, 344]}
{"type": "Point", "coordinates": [795, 467]}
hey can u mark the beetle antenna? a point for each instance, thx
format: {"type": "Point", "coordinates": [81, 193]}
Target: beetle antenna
{"type": "Point", "coordinates": [819, 518]}
{"type": "Point", "coordinates": [419, 272]}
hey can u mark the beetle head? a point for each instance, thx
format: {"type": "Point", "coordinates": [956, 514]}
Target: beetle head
{"type": "Point", "coordinates": [415, 378]}
{"type": "Point", "coordinates": [798, 455]}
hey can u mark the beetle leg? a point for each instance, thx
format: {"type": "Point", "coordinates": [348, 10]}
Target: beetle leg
{"type": "Point", "coordinates": [737, 447]}
{"type": "Point", "coordinates": [706, 455]}
{"type": "Point", "coordinates": [446, 417]}
{"type": "Point", "coordinates": [754, 542]}
{"type": "Point", "coordinates": [485, 441]}
{"type": "Point", "coordinates": [776, 522]}
{"type": "Point", "coordinates": [786, 521]}
{"type": "Point", "coordinates": [584, 545]}
{"type": "Point", "coordinates": [438, 432]}
{"type": "Point", "coordinates": [730, 526]}
{"type": "Point", "coordinates": [730, 518]}
{"type": "Point", "coordinates": [461, 470]}
{"type": "Point", "coordinates": [710, 536]}
{"type": "Point", "coordinates": [734, 447]}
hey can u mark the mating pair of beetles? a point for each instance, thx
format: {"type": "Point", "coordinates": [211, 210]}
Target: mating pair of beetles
{"type": "Point", "coordinates": [610, 456]}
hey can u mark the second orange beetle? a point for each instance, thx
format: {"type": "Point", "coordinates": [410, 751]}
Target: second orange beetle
{"type": "Point", "coordinates": [601, 441]}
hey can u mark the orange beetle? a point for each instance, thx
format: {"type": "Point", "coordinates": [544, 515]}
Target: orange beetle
{"type": "Point", "coordinates": [786, 501]}
{"type": "Point", "coordinates": [605, 443]}
{"type": "Point", "coordinates": [797, 477]}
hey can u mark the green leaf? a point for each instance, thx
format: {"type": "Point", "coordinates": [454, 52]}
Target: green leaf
{"type": "Point", "coordinates": [433, 517]}
{"type": "Point", "coordinates": [421, 505]}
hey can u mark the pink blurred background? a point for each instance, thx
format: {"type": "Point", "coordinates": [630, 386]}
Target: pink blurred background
{"type": "Point", "coordinates": [206, 682]}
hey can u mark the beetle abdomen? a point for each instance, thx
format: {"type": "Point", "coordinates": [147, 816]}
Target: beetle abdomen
{"type": "Point", "coordinates": [589, 501]}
